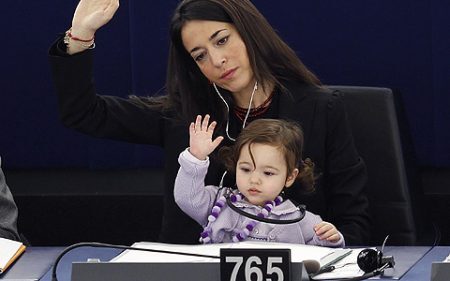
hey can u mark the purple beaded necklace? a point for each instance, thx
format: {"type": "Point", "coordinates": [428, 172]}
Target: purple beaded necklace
{"type": "Point", "coordinates": [241, 235]}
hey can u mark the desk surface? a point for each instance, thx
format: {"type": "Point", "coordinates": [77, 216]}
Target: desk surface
{"type": "Point", "coordinates": [37, 262]}
{"type": "Point", "coordinates": [421, 271]}
{"type": "Point", "coordinates": [33, 264]}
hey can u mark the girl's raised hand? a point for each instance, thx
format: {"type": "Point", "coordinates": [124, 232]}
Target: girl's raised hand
{"type": "Point", "coordinates": [200, 140]}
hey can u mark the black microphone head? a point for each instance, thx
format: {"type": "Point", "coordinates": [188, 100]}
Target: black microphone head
{"type": "Point", "coordinates": [369, 259]}
{"type": "Point", "coordinates": [311, 266]}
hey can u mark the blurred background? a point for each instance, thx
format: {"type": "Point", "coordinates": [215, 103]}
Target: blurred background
{"type": "Point", "coordinates": [70, 187]}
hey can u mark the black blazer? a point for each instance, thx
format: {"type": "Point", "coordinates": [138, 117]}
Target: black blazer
{"type": "Point", "coordinates": [340, 195]}
{"type": "Point", "coordinates": [340, 192]}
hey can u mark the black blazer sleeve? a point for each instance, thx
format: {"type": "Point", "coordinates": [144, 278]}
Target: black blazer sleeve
{"type": "Point", "coordinates": [82, 109]}
{"type": "Point", "coordinates": [99, 116]}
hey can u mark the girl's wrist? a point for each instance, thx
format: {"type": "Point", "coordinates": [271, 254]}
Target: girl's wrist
{"type": "Point", "coordinates": [197, 155]}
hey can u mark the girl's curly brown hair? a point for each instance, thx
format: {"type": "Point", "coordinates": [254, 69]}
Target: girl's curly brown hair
{"type": "Point", "coordinates": [285, 135]}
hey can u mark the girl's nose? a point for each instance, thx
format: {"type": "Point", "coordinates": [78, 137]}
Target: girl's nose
{"type": "Point", "coordinates": [254, 179]}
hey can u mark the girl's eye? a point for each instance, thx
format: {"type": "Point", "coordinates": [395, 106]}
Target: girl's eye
{"type": "Point", "coordinates": [244, 169]}
{"type": "Point", "coordinates": [269, 173]}
{"type": "Point", "coordinates": [222, 40]}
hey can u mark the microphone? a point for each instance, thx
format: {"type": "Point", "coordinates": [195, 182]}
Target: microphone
{"type": "Point", "coordinates": [370, 260]}
{"type": "Point", "coordinates": [373, 262]}
{"type": "Point", "coordinates": [311, 266]}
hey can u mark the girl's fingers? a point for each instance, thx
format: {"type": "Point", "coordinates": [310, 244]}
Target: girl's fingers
{"type": "Point", "coordinates": [333, 238]}
{"type": "Point", "coordinates": [205, 123]}
{"type": "Point", "coordinates": [198, 122]}
{"type": "Point", "coordinates": [212, 126]}
{"type": "Point", "coordinates": [217, 141]}
{"type": "Point", "coordinates": [321, 228]}
{"type": "Point", "coordinates": [202, 124]}
{"type": "Point", "coordinates": [328, 234]}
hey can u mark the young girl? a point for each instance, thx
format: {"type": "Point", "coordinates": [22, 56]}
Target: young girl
{"type": "Point", "coordinates": [266, 159]}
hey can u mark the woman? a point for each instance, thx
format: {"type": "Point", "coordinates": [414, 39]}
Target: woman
{"type": "Point", "coordinates": [227, 61]}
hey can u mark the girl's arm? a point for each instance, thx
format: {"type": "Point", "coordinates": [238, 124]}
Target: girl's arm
{"type": "Point", "coordinates": [190, 192]}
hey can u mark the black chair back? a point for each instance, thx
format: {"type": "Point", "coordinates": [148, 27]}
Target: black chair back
{"type": "Point", "coordinates": [373, 119]}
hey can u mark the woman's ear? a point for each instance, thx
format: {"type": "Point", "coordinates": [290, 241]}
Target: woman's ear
{"type": "Point", "coordinates": [291, 178]}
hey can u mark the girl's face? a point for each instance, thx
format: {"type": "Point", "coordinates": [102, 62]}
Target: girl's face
{"type": "Point", "coordinates": [220, 53]}
{"type": "Point", "coordinates": [264, 180]}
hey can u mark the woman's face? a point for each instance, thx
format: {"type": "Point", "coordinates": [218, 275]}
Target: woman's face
{"type": "Point", "coordinates": [220, 53]}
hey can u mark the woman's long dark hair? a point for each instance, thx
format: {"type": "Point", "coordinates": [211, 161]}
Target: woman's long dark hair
{"type": "Point", "coordinates": [189, 92]}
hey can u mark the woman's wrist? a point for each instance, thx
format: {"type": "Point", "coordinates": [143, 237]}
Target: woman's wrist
{"type": "Point", "coordinates": [79, 40]}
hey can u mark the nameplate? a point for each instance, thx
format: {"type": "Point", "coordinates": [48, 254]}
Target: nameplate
{"type": "Point", "coordinates": [440, 271]}
{"type": "Point", "coordinates": [255, 264]}
{"type": "Point", "coordinates": [142, 271]}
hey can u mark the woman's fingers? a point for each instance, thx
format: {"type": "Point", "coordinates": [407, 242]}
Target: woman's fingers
{"type": "Point", "coordinates": [90, 15]}
{"type": "Point", "coordinates": [111, 9]}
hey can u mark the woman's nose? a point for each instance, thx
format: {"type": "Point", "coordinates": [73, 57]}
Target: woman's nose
{"type": "Point", "coordinates": [218, 59]}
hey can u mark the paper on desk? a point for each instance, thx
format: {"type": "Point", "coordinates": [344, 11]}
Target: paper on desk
{"type": "Point", "coordinates": [154, 257]}
{"type": "Point", "coordinates": [298, 252]}
{"type": "Point", "coordinates": [9, 251]}
{"type": "Point", "coordinates": [345, 268]}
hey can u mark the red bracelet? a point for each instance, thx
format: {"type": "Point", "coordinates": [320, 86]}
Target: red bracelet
{"type": "Point", "coordinates": [69, 33]}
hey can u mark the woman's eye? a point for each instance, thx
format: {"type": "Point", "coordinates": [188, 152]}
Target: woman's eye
{"type": "Point", "coordinates": [222, 41]}
{"type": "Point", "coordinates": [199, 57]}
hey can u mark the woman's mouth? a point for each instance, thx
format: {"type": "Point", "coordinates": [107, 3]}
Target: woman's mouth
{"type": "Point", "coordinates": [228, 74]}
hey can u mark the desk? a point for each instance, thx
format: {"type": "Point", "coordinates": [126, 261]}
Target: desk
{"type": "Point", "coordinates": [33, 264]}
{"type": "Point", "coordinates": [36, 260]}
{"type": "Point", "coordinates": [421, 271]}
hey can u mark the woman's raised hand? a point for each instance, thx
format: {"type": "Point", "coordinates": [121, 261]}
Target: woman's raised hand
{"type": "Point", "coordinates": [200, 141]}
{"type": "Point", "coordinates": [90, 15]}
